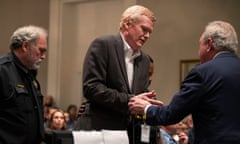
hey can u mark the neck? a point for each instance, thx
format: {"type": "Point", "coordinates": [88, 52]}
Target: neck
{"type": "Point", "coordinates": [20, 57]}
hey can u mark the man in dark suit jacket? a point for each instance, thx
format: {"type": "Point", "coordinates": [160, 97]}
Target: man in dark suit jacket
{"type": "Point", "coordinates": [114, 70]}
{"type": "Point", "coordinates": [210, 92]}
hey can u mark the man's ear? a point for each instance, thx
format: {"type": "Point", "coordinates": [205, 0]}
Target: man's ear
{"type": "Point", "coordinates": [127, 23]}
{"type": "Point", "coordinates": [25, 45]}
{"type": "Point", "coordinates": [209, 45]}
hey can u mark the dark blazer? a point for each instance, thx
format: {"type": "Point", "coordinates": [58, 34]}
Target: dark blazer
{"type": "Point", "coordinates": [211, 93]}
{"type": "Point", "coordinates": [21, 101]}
{"type": "Point", "coordinates": [105, 84]}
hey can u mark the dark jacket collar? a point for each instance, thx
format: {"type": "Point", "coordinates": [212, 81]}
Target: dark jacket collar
{"type": "Point", "coordinates": [225, 54]}
{"type": "Point", "coordinates": [20, 66]}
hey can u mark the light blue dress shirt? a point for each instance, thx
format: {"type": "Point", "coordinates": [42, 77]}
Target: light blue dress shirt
{"type": "Point", "coordinates": [166, 138]}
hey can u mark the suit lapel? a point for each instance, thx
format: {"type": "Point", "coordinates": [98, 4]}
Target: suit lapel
{"type": "Point", "coordinates": [137, 71]}
{"type": "Point", "coordinates": [119, 47]}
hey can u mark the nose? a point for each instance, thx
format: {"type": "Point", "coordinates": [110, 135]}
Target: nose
{"type": "Point", "coordinates": [147, 35]}
{"type": "Point", "coordinates": [44, 56]}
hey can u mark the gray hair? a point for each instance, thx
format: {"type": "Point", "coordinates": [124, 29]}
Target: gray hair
{"type": "Point", "coordinates": [223, 35]}
{"type": "Point", "coordinates": [27, 33]}
{"type": "Point", "coordinates": [132, 14]}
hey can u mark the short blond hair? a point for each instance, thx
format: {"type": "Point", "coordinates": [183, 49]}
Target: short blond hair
{"type": "Point", "coordinates": [132, 13]}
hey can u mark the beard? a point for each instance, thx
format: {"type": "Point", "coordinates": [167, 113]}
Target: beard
{"type": "Point", "coordinates": [36, 64]}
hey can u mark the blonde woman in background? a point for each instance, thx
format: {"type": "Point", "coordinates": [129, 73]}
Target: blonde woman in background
{"type": "Point", "coordinates": [57, 121]}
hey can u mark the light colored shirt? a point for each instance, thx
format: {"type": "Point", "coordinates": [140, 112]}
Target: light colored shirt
{"type": "Point", "coordinates": [166, 138]}
{"type": "Point", "coordinates": [130, 55]}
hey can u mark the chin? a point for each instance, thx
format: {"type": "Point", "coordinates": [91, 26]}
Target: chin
{"type": "Point", "coordinates": [140, 45]}
{"type": "Point", "coordinates": [36, 67]}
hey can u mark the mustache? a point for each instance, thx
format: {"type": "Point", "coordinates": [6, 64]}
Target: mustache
{"type": "Point", "coordinates": [38, 61]}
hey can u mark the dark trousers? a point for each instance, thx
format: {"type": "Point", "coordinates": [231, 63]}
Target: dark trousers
{"type": "Point", "coordinates": [134, 132]}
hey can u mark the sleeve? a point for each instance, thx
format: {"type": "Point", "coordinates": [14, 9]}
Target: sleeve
{"type": "Point", "coordinates": [186, 101]}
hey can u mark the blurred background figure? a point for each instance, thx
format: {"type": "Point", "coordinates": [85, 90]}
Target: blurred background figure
{"type": "Point", "coordinates": [48, 111]}
{"type": "Point", "coordinates": [72, 111]}
{"type": "Point", "coordinates": [173, 134]}
{"type": "Point", "coordinates": [66, 116]}
{"type": "Point", "coordinates": [57, 121]}
{"type": "Point", "coordinates": [190, 128]}
{"type": "Point", "coordinates": [188, 121]}
{"type": "Point", "coordinates": [49, 101]}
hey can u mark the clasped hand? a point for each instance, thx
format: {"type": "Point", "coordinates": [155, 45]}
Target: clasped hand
{"type": "Point", "coordinates": [137, 104]}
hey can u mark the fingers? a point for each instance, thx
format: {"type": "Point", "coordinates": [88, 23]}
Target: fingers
{"type": "Point", "coordinates": [147, 95]}
{"type": "Point", "coordinates": [183, 138]}
{"type": "Point", "coordinates": [156, 102]}
{"type": "Point", "coordinates": [137, 105]}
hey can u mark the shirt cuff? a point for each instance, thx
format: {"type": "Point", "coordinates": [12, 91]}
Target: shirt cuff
{"type": "Point", "coordinates": [146, 108]}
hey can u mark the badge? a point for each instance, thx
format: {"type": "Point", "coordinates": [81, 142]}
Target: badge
{"type": "Point", "coordinates": [145, 133]}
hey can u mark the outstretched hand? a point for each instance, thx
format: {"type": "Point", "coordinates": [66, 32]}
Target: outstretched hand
{"type": "Point", "coordinates": [138, 103]}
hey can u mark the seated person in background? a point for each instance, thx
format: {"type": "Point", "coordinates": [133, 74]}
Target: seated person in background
{"type": "Point", "coordinates": [49, 107]}
{"type": "Point", "coordinates": [47, 114]}
{"type": "Point", "coordinates": [190, 130]}
{"type": "Point", "coordinates": [173, 134]}
{"type": "Point", "coordinates": [188, 122]}
{"type": "Point", "coordinates": [49, 101]}
{"type": "Point", "coordinates": [72, 111]}
{"type": "Point", "coordinates": [66, 116]}
{"type": "Point", "coordinates": [57, 121]}
{"type": "Point", "coordinates": [67, 119]}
